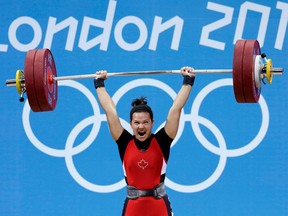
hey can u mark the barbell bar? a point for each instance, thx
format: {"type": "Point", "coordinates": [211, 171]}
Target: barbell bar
{"type": "Point", "coordinates": [139, 73]}
{"type": "Point", "coordinates": [40, 81]}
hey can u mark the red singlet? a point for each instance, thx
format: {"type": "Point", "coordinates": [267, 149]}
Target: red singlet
{"type": "Point", "coordinates": [144, 165]}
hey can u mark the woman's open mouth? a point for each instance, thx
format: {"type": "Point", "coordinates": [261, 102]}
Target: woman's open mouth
{"type": "Point", "coordinates": [141, 133]}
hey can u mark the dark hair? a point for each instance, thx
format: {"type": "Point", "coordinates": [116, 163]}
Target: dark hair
{"type": "Point", "coordinates": [140, 105]}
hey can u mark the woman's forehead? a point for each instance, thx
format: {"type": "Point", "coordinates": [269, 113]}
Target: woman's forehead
{"type": "Point", "coordinates": [141, 116]}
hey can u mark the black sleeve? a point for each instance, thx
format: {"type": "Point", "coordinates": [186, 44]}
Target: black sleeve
{"type": "Point", "coordinates": [165, 142]}
{"type": "Point", "coordinates": [122, 143]}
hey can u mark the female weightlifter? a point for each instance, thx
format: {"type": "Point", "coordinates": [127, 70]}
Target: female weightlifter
{"type": "Point", "coordinates": [144, 155]}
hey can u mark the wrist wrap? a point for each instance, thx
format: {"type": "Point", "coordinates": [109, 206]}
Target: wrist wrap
{"type": "Point", "coordinates": [99, 83]}
{"type": "Point", "coordinates": [187, 80]}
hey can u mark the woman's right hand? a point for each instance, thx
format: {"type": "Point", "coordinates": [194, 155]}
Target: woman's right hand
{"type": "Point", "coordinates": [101, 74]}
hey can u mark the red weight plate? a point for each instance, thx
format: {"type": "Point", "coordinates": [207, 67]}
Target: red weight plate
{"type": "Point", "coordinates": [45, 86]}
{"type": "Point", "coordinates": [238, 71]}
{"type": "Point", "coordinates": [29, 81]}
{"type": "Point", "coordinates": [251, 92]}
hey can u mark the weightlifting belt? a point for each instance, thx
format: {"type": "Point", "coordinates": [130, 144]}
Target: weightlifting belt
{"type": "Point", "coordinates": [157, 192]}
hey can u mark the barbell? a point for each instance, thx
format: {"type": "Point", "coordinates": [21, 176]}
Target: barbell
{"type": "Point", "coordinates": [39, 79]}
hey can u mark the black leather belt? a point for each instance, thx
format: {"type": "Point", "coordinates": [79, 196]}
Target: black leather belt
{"type": "Point", "coordinates": [157, 192]}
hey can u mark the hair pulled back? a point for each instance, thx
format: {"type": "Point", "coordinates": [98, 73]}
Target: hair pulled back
{"type": "Point", "coordinates": [140, 105]}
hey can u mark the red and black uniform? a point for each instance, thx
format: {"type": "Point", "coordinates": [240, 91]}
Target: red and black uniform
{"type": "Point", "coordinates": [144, 165]}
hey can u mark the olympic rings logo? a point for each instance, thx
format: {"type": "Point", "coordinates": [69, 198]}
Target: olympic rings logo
{"type": "Point", "coordinates": [196, 120]}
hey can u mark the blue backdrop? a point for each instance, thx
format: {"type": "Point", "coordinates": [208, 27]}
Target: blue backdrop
{"type": "Point", "coordinates": [228, 158]}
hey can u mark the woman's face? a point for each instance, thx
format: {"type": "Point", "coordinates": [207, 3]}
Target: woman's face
{"type": "Point", "coordinates": [141, 125]}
